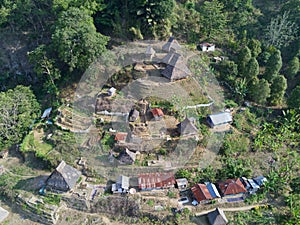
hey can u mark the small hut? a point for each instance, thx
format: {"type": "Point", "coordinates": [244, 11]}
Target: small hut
{"type": "Point", "coordinates": [133, 115]}
{"type": "Point", "coordinates": [171, 44]}
{"type": "Point", "coordinates": [150, 53]}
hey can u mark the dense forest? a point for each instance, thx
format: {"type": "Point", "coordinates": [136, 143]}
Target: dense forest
{"type": "Point", "coordinates": [47, 45]}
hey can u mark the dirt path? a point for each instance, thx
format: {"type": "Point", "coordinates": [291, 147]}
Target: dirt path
{"type": "Point", "coordinates": [243, 208]}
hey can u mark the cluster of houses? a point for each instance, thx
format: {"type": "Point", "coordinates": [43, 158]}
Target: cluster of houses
{"type": "Point", "coordinates": [230, 190]}
{"type": "Point", "coordinates": [186, 129]}
{"type": "Point", "coordinates": [64, 179]}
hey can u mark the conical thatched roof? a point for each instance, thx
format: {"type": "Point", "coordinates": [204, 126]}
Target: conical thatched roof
{"type": "Point", "coordinates": [187, 127]}
{"type": "Point", "coordinates": [150, 50]}
{"type": "Point", "coordinates": [171, 44]}
{"type": "Point", "coordinates": [176, 68]}
{"type": "Point", "coordinates": [217, 217]}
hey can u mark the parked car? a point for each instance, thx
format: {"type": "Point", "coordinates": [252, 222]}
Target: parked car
{"type": "Point", "coordinates": [183, 200]}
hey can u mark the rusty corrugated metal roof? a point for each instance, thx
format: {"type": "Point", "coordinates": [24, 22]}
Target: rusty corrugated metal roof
{"type": "Point", "coordinates": [201, 192]}
{"type": "Point", "coordinates": [232, 187]}
{"type": "Point", "coordinates": [156, 180]}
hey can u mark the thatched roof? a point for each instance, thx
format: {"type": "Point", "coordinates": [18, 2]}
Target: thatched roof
{"type": "Point", "coordinates": [176, 68]}
{"type": "Point", "coordinates": [133, 115]}
{"type": "Point", "coordinates": [63, 178]}
{"type": "Point", "coordinates": [150, 50]}
{"type": "Point", "coordinates": [217, 217]}
{"type": "Point", "coordinates": [127, 157]}
{"type": "Point", "coordinates": [187, 127]}
{"type": "Point", "coordinates": [171, 44]}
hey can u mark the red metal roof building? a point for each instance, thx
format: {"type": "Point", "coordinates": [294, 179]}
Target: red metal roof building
{"type": "Point", "coordinates": [201, 193]}
{"type": "Point", "coordinates": [232, 187]}
{"type": "Point", "coordinates": [157, 113]}
{"type": "Point", "coordinates": [149, 181]}
{"type": "Point", "coordinates": [120, 136]}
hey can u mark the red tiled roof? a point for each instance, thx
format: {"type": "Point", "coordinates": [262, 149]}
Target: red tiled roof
{"type": "Point", "coordinates": [120, 136]}
{"type": "Point", "coordinates": [156, 180]}
{"type": "Point", "coordinates": [157, 112]}
{"type": "Point", "coordinates": [232, 187]}
{"type": "Point", "coordinates": [201, 192]}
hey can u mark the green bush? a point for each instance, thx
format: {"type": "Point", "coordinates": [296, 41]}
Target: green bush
{"type": "Point", "coordinates": [171, 194]}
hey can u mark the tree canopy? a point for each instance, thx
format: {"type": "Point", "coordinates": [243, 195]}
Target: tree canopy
{"type": "Point", "coordinates": [18, 109]}
{"type": "Point", "coordinates": [213, 18]}
{"type": "Point", "coordinates": [294, 100]}
{"type": "Point", "coordinates": [76, 40]}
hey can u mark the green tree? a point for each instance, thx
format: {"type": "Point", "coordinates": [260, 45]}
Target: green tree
{"type": "Point", "coordinates": [293, 68]}
{"type": "Point", "coordinates": [278, 88]}
{"type": "Point", "coordinates": [240, 13]}
{"type": "Point", "coordinates": [18, 108]}
{"type": "Point", "coordinates": [259, 90]}
{"type": "Point", "coordinates": [186, 23]}
{"type": "Point", "coordinates": [213, 19]}
{"type": "Point", "coordinates": [273, 66]}
{"type": "Point", "coordinates": [228, 70]}
{"type": "Point", "coordinates": [281, 31]}
{"type": "Point", "coordinates": [183, 173]}
{"type": "Point", "coordinates": [240, 89]}
{"type": "Point", "coordinates": [153, 15]}
{"type": "Point", "coordinates": [294, 100]}
{"type": "Point", "coordinates": [46, 69]}
{"type": "Point", "coordinates": [91, 5]}
{"type": "Point", "coordinates": [252, 69]}
{"type": "Point", "coordinates": [255, 47]}
{"type": "Point", "coordinates": [244, 57]}
{"type": "Point", "coordinates": [7, 7]}
{"type": "Point", "coordinates": [76, 40]}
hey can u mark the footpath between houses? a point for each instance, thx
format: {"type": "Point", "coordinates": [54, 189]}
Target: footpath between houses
{"type": "Point", "coordinates": [232, 209]}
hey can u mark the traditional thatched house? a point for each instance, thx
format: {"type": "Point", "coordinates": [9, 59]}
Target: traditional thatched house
{"type": "Point", "coordinates": [176, 68]}
{"type": "Point", "coordinates": [63, 178]}
{"type": "Point", "coordinates": [187, 127]}
{"type": "Point", "coordinates": [171, 44]}
{"type": "Point", "coordinates": [217, 217]}
{"type": "Point", "coordinates": [127, 157]}
{"type": "Point", "coordinates": [133, 115]}
{"type": "Point", "coordinates": [150, 53]}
